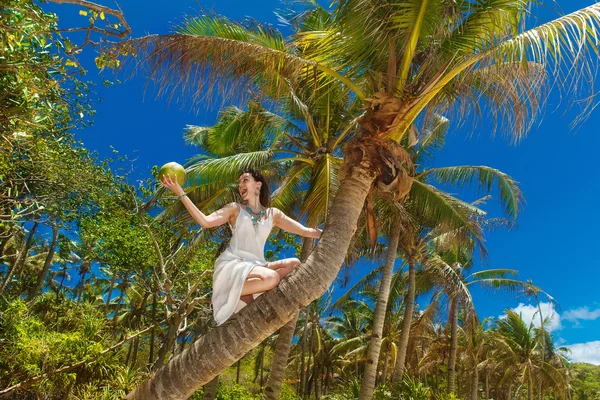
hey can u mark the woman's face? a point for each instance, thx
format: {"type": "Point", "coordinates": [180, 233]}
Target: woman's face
{"type": "Point", "coordinates": [248, 186]}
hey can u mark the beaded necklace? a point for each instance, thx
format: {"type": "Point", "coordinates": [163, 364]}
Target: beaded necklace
{"type": "Point", "coordinates": [255, 216]}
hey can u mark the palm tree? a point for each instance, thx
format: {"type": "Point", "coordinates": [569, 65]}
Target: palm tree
{"type": "Point", "coordinates": [519, 353]}
{"type": "Point", "coordinates": [403, 61]}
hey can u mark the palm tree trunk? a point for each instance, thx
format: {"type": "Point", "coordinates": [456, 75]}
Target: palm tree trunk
{"type": "Point", "coordinates": [210, 389]}
{"type": "Point", "coordinates": [284, 344]}
{"type": "Point", "coordinates": [530, 388]}
{"type": "Point", "coordinates": [453, 345]}
{"type": "Point", "coordinates": [303, 373]}
{"type": "Point", "coordinates": [173, 326]}
{"type": "Point", "coordinates": [316, 378]}
{"type": "Point", "coordinates": [237, 372]}
{"type": "Point", "coordinates": [367, 386]}
{"type": "Point", "coordinates": [308, 375]}
{"type": "Point", "coordinates": [386, 361]}
{"type": "Point", "coordinates": [487, 384]}
{"type": "Point", "coordinates": [543, 337]}
{"type": "Point", "coordinates": [21, 258]}
{"type": "Point", "coordinates": [475, 384]}
{"type": "Point", "coordinates": [37, 289]}
{"type": "Point", "coordinates": [406, 323]}
{"type": "Point", "coordinates": [136, 346]}
{"type": "Point", "coordinates": [224, 345]}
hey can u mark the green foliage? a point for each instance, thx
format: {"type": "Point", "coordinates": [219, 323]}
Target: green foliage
{"type": "Point", "coordinates": [585, 381]}
{"type": "Point", "coordinates": [39, 93]}
{"type": "Point", "coordinates": [413, 389]}
{"type": "Point", "coordinates": [48, 334]}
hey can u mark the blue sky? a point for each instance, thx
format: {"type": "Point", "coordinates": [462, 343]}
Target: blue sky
{"type": "Point", "coordinates": [555, 244]}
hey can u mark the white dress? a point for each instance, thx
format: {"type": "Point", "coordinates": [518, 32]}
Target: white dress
{"type": "Point", "coordinates": [246, 250]}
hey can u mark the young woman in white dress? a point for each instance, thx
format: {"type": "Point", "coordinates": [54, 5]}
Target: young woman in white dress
{"type": "Point", "coordinates": [241, 272]}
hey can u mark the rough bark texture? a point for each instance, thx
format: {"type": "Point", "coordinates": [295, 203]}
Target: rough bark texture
{"type": "Point", "coordinates": [37, 289]}
{"type": "Point", "coordinates": [475, 384]}
{"type": "Point", "coordinates": [284, 343]}
{"type": "Point", "coordinates": [453, 345]}
{"type": "Point", "coordinates": [406, 322]}
{"type": "Point", "coordinates": [367, 386]}
{"type": "Point", "coordinates": [224, 345]}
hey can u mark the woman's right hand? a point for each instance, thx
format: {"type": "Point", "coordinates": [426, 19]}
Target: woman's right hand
{"type": "Point", "coordinates": [171, 183]}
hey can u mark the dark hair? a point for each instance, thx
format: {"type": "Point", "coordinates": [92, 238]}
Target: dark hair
{"type": "Point", "coordinates": [265, 196]}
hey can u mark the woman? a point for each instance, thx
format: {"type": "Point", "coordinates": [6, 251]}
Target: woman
{"type": "Point", "coordinates": [241, 272]}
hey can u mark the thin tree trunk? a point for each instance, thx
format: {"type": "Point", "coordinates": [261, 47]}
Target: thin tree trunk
{"type": "Point", "coordinates": [317, 377]}
{"type": "Point", "coordinates": [210, 389]}
{"type": "Point", "coordinates": [136, 345]}
{"type": "Point", "coordinates": [37, 289]}
{"type": "Point", "coordinates": [227, 343]}
{"type": "Point", "coordinates": [543, 352]}
{"type": "Point", "coordinates": [530, 388]}
{"type": "Point", "coordinates": [173, 326]}
{"type": "Point", "coordinates": [152, 332]}
{"type": "Point", "coordinates": [475, 384]}
{"type": "Point", "coordinates": [406, 323]}
{"type": "Point", "coordinates": [367, 386]}
{"type": "Point", "coordinates": [283, 345]}
{"type": "Point", "coordinates": [21, 258]}
{"type": "Point", "coordinates": [453, 345]}
{"type": "Point", "coordinates": [386, 361]}
{"type": "Point", "coordinates": [308, 375]}
{"type": "Point", "coordinates": [129, 351]}
{"type": "Point", "coordinates": [303, 373]}
{"type": "Point", "coordinates": [487, 384]}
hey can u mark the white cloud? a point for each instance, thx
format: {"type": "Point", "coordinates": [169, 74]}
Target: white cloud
{"type": "Point", "coordinates": [530, 312]}
{"type": "Point", "coordinates": [581, 313]}
{"type": "Point", "coordinates": [585, 352]}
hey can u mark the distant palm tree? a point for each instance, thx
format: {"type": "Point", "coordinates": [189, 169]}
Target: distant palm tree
{"type": "Point", "coordinates": [519, 354]}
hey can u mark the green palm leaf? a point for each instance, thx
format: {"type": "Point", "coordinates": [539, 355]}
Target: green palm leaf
{"type": "Point", "coordinates": [484, 177]}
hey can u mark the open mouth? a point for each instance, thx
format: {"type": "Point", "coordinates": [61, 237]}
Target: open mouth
{"type": "Point", "coordinates": [243, 192]}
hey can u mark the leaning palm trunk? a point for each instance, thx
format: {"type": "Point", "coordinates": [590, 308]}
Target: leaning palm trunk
{"type": "Point", "coordinates": [227, 343]}
{"type": "Point", "coordinates": [406, 322]}
{"type": "Point", "coordinates": [367, 386]}
{"type": "Point", "coordinates": [453, 345]}
{"type": "Point", "coordinates": [284, 344]}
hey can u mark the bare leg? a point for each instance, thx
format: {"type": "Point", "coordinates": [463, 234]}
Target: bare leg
{"type": "Point", "coordinates": [283, 267]}
{"type": "Point", "coordinates": [259, 280]}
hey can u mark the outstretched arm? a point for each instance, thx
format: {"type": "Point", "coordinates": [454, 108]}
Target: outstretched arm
{"type": "Point", "coordinates": [289, 225]}
{"type": "Point", "coordinates": [217, 218]}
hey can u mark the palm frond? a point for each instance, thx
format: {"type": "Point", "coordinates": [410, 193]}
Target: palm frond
{"type": "Point", "coordinates": [323, 187]}
{"type": "Point", "coordinates": [238, 131]}
{"type": "Point", "coordinates": [434, 205]}
{"type": "Point", "coordinates": [485, 177]}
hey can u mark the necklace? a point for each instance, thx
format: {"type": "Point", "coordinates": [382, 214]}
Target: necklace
{"type": "Point", "coordinates": [256, 216]}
